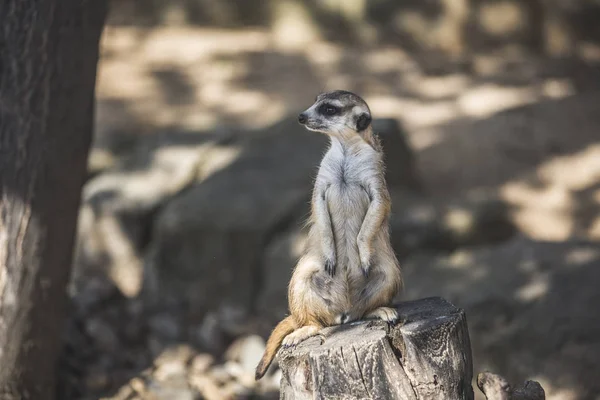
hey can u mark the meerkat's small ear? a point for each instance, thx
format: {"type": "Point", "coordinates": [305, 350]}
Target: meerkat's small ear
{"type": "Point", "coordinates": [362, 122]}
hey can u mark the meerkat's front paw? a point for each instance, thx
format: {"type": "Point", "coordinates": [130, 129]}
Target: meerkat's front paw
{"type": "Point", "coordinates": [366, 259]}
{"type": "Point", "coordinates": [329, 261]}
{"type": "Point", "coordinates": [388, 314]}
{"type": "Point", "coordinates": [330, 265]}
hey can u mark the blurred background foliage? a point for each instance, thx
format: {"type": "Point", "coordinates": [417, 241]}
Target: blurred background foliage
{"type": "Point", "coordinates": [200, 180]}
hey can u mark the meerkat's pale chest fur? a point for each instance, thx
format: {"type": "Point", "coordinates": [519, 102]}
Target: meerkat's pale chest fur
{"type": "Point", "coordinates": [349, 270]}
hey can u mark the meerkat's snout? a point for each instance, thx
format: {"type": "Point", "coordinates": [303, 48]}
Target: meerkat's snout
{"type": "Point", "coordinates": [302, 118]}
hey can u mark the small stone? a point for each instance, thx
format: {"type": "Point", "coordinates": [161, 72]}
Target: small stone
{"type": "Point", "coordinates": [201, 363]}
{"type": "Point", "coordinates": [165, 326]}
{"type": "Point", "coordinates": [237, 391]}
{"type": "Point", "coordinates": [234, 369]}
{"type": "Point", "coordinates": [179, 392]}
{"type": "Point", "coordinates": [208, 335]}
{"type": "Point", "coordinates": [220, 374]}
{"type": "Point", "coordinates": [138, 385]}
{"type": "Point", "coordinates": [134, 330]}
{"type": "Point", "coordinates": [181, 353]}
{"type": "Point", "coordinates": [207, 387]}
{"type": "Point", "coordinates": [233, 319]}
{"type": "Point", "coordinates": [126, 392]}
{"type": "Point", "coordinates": [170, 371]}
{"type": "Point", "coordinates": [94, 291]}
{"type": "Point", "coordinates": [247, 351]}
{"type": "Point", "coordinates": [155, 346]}
{"type": "Point", "coordinates": [103, 334]}
{"type": "Point", "coordinates": [97, 381]}
{"type": "Point", "coordinates": [135, 307]}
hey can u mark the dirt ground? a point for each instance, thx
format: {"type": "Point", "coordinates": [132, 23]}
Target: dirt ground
{"type": "Point", "coordinates": [521, 128]}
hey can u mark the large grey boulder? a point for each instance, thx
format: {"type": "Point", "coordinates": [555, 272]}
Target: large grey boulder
{"type": "Point", "coordinates": [422, 223]}
{"type": "Point", "coordinates": [118, 205]}
{"type": "Point", "coordinates": [207, 243]}
{"type": "Point", "coordinates": [220, 241]}
{"type": "Point", "coordinates": [401, 169]}
{"type": "Point", "coordinates": [418, 224]}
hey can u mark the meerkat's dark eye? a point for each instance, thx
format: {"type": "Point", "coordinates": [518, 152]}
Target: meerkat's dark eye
{"type": "Point", "coordinates": [328, 109]}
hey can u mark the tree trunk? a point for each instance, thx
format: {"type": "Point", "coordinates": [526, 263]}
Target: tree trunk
{"type": "Point", "coordinates": [48, 58]}
{"type": "Point", "coordinates": [426, 356]}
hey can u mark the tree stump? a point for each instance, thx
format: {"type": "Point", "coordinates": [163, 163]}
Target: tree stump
{"type": "Point", "coordinates": [426, 355]}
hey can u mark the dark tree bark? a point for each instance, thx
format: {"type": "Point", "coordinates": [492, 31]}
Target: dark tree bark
{"type": "Point", "coordinates": [48, 58]}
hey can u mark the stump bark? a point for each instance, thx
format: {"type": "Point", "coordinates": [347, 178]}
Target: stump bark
{"type": "Point", "coordinates": [427, 355]}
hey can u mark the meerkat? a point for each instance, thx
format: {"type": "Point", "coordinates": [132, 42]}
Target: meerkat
{"type": "Point", "coordinates": [349, 270]}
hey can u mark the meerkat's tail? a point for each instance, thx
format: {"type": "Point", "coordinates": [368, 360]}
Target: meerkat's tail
{"type": "Point", "coordinates": [284, 328]}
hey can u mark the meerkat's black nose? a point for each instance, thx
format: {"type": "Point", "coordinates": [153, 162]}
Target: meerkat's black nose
{"type": "Point", "coordinates": [302, 118]}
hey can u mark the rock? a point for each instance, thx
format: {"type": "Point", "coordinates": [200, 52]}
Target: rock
{"type": "Point", "coordinates": [247, 351]}
{"type": "Point", "coordinates": [92, 293]}
{"type": "Point", "coordinates": [135, 330]}
{"type": "Point", "coordinates": [171, 393]}
{"type": "Point", "coordinates": [233, 319]}
{"type": "Point", "coordinates": [220, 374]}
{"type": "Point", "coordinates": [126, 392]}
{"type": "Point", "coordinates": [399, 158]}
{"type": "Point", "coordinates": [517, 145]}
{"type": "Point", "coordinates": [155, 345]}
{"type": "Point", "coordinates": [496, 387]}
{"type": "Point", "coordinates": [235, 390]}
{"type": "Point", "coordinates": [420, 223]}
{"type": "Point", "coordinates": [283, 251]}
{"type": "Point", "coordinates": [138, 385]}
{"type": "Point", "coordinates": [103, 334]}
{"type": "Point", "coordinates": [96, 381]}
{"type": "Point", "coordinates": [201, 363]}
{"type": "Point", "coordinates": [170, 378]}
{"type": "Point", "coordinates": [118, 205]}
{"type": "Point", "coordinates": [531, 390]}
{"type": "Point", "coordinates": [209, 335]}
{"type": "Point", "coordinates": [417, 223]}
{"type": "Point", "coordinates": [170, 371]}
{"type": "Point", "coordinates": [178, 354]}
{"type": "Point", "coordinates": [166, 326]}
{"type": "Point", "coordinates": [280, 258]}
{"type": "Point", "coordinates": [207, 242]}
{"type": "Point", "coordinates": [208, 388]}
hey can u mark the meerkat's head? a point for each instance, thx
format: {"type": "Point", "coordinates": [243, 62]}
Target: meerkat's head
{"type": "Point", "coordinates": [337, 113]}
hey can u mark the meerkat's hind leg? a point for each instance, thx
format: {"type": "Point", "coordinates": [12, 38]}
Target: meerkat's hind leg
{"type": "Point", "coordinates": [300, 335]}
{"type": "Point", "coordinates": [388, 314]}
